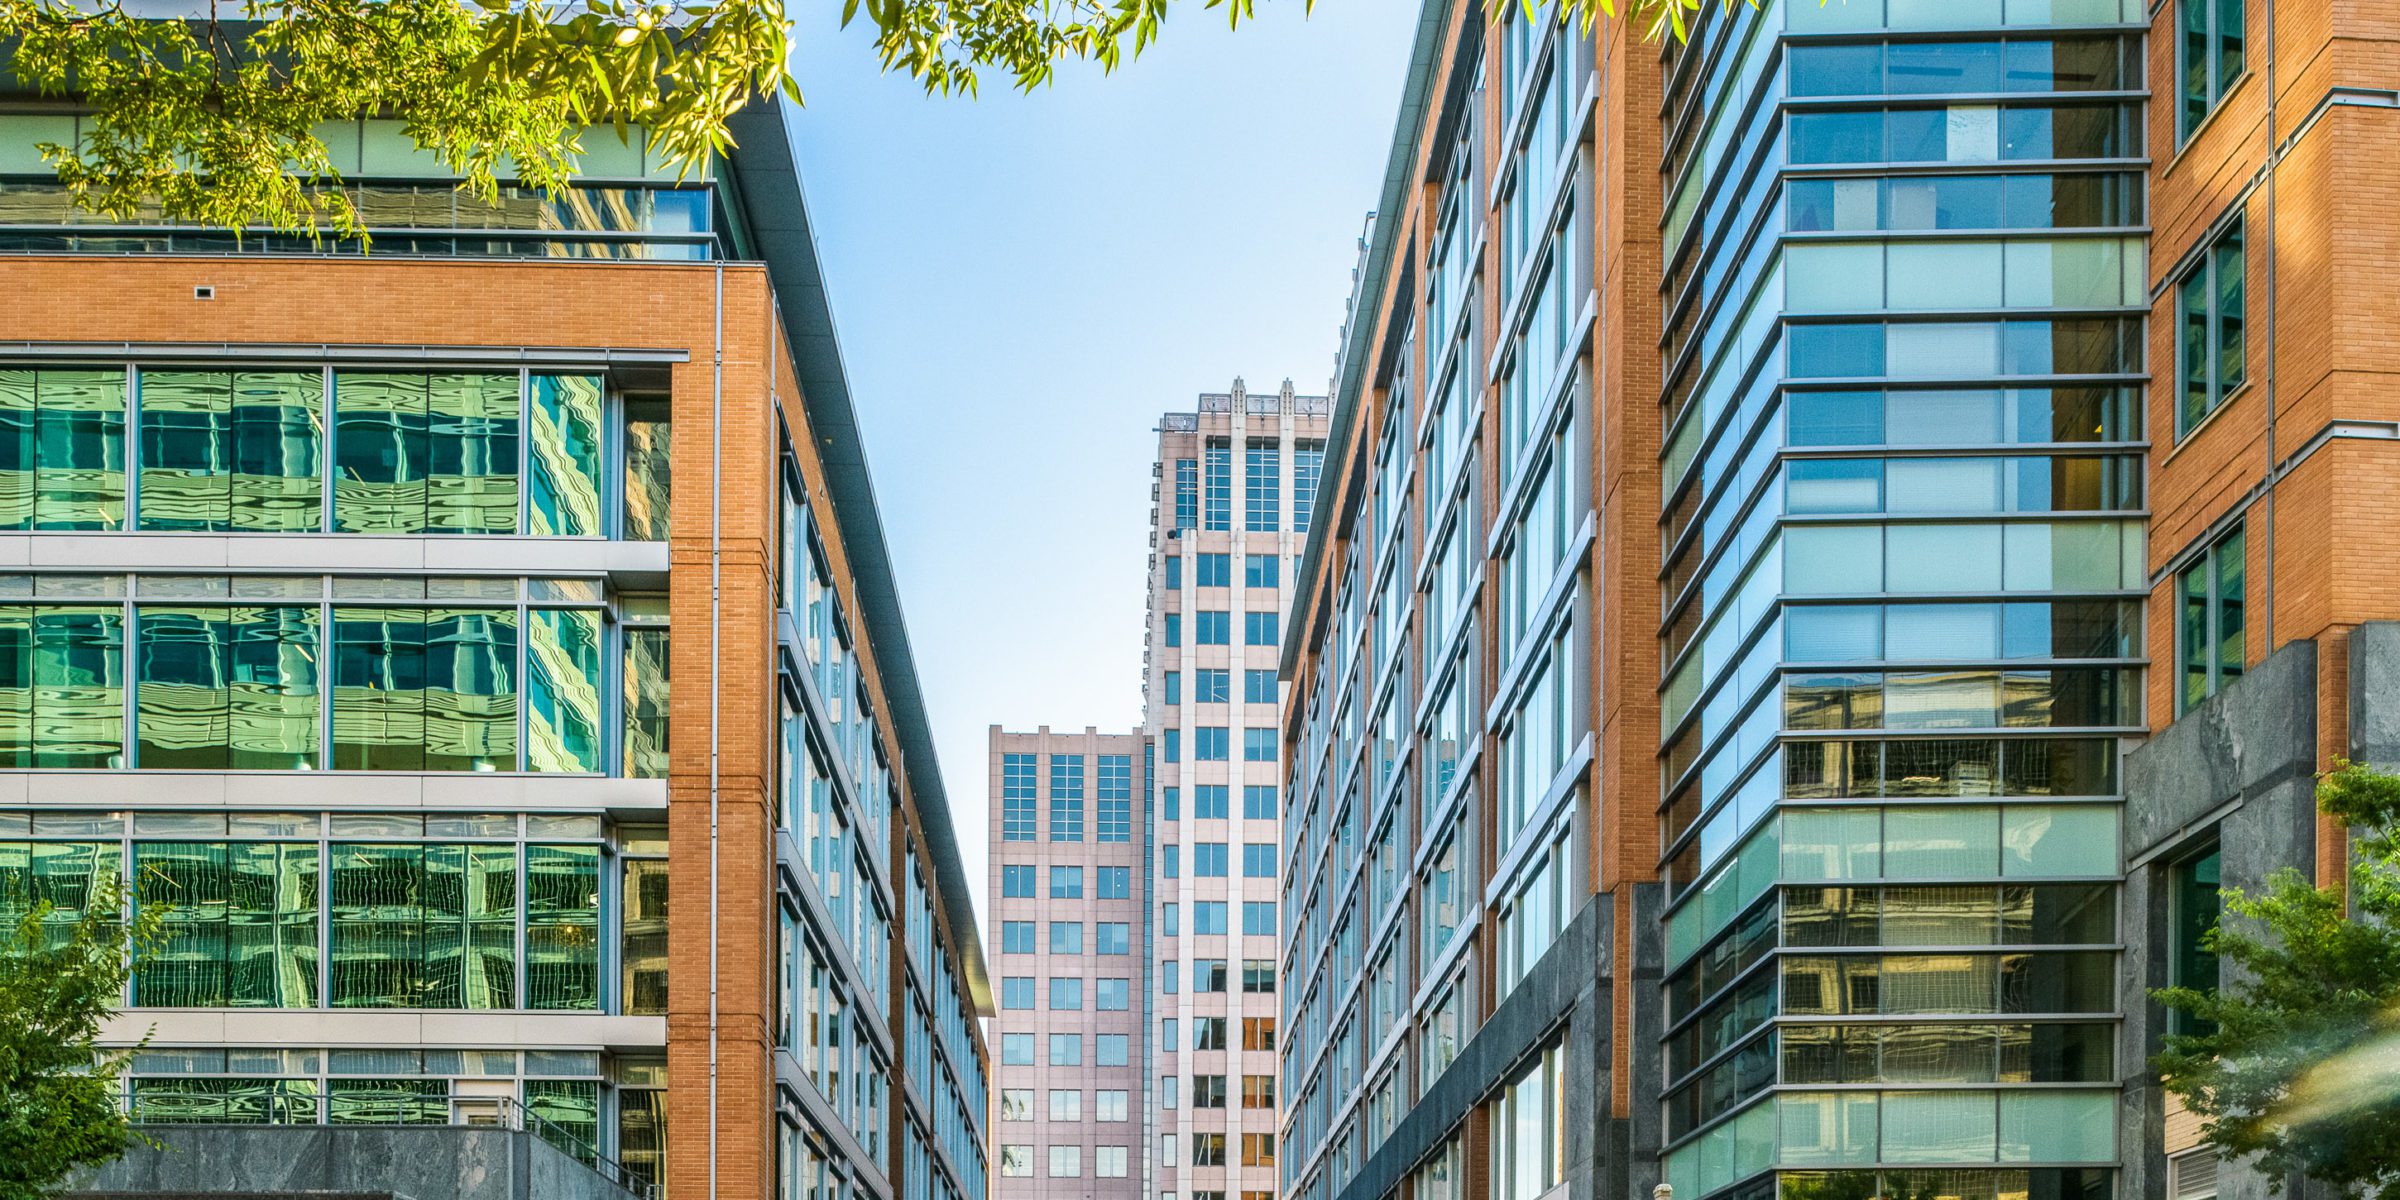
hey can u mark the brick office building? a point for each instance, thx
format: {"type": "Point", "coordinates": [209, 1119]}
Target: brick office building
{"type": "Point", "coordinates": [349, 589]}
{"type": "Point", "coordinates": [1839, 537]}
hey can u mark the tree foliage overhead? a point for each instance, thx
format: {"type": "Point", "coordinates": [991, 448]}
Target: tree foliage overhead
{"type": "Point", "coordinates": [214, 120]}
{"type": "Point", "coordinates": [2302, 1065]}
{"type": "Point", "coordinates": [58, 1089]}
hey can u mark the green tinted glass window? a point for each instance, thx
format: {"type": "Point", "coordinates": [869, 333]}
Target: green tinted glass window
{"type": "Point", "coordinates": [424, 689]}
{"type": "Point", "coordinates": [225, 1101]}
{"type": "Point", "coordinates": [224, 688]}
{"type": "Point", "coordinates": [231, 450]}
{"type": "Point", "coordinates": [643, 918]}
{"type": "Point", "coordinates": [649, 445]}
{"type": "Point", "coordinates": [645, 684]}
{"type": "Point", "coordinates": [424, 926]}
{"type": "Point", "coordinates": [69, 877]}
{"type": "Point", "coordinates": [563, 462]}
{"type": "Point", "coordinates": [240, 925]}
{"type": "Point", "coordinates": [562, 927]}
{"type": "Point", "coordinates": [387, 1102]}
{"type": "Point", "coordinates": [79, 450]}
{"type": "Point", "coordinates": [563, 690]}
{"type": "Point", "coordinates": [570, 1114]}
{"type": "Point", "coordinates": [379, 452]}
{"type": "Point", "coordinates": [471, 454]}
{"type": "Point", "coordinates": [62, 686]}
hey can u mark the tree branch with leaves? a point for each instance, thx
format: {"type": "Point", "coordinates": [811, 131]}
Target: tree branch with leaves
{"type": "Point", "coordinates": [216, 119]}
{"type": "Point", "coordinates": [2299, 1063]}
{"type": "Point", "coordinates": [59, 981]}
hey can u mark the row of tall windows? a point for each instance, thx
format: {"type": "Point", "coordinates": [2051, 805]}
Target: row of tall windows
{"type": "Point", "coordinates": [385, 677]}
{"type": "Point", "coordinates": [1203, 487]}
{"type": "Point", "coordinates": [303, 451]}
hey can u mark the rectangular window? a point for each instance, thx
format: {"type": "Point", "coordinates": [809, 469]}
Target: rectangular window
{"type": "Point", "coordinates": [1016, 1104]}
{"type": "Point", "coordinates": [1208, 1091]}
{"type": "Point", "coordinates": [234, 450]}
{"type": "Point", "coordinates": [1215, 570]}
{"type": "Point", "coordinates": [1066, 1050]}
{"type": "Point", "coordinates": [1113, 937]}
{"type": "Point", "coordinates": [1174, 630]}
{"type": "Point", "coordinates": [1066, 883]}
{"type": "Point", "coordinates": [1211, 685]}
{"type": "Point", "coordinates": [1209, 975]}
{"type": "Point", "coordinates": [1016, 1049]}
{"type": "Point", "coordinates": [1066, 994]}
{"type": "Point", "coordinates": [1116, 798]}
{"type": "Point", "coordinates": [1258, 1033]}
{"type": "Point", "coordinates": [1258, 976]}
{"type": "Point", "coordinates": [453, 905]}
{"type": "Point", "coordinates": [1016, 937]}
{"type": "Point", "coordinates": [1113, 883]}
{"type": "Point", "coordinates": [1066, 937]}
{"type": "Point", "coordinates": [1210, 743]}
{"type": "Point", "coordinates": [1108, 1106]}
{"type": "Point", "coordinates": [1308, 463]}
{"type": "Point", "coordinates": [1208, 917]}
{"type": "Point", "coordinates": [1261, 629]}
{"type": "Point", "coordinates": [425, 453]}
{"type": "Point", "coordinates": [241, 931]}
{"type": "Point", "coordinates": [1174, 748]}
{"type": "Point", "coordinates": [1168, 916]}
{"type": "Point", "coordinates": [1187, 493]}
{"type": "Point", "coordinates": [1066, 1104]}
{"type": "Point", "coordinates": [1167, 860]}
{"type": "Point", "coordinates": [1209, 802]}
{"type": "Point", "coordinates": [1258, 687]}
{"type": "Point", "coordinates": [1262, 479]}
{"type": "Point", "coordinates": [223, 688]}
{"type": "Point", "coordinates": [2211, 54]}
{"type": "Point", "coordinates": [1208, 1033]}
{"type": "Point", "coordinates": [1263, 571]}
{"type": "Point", "coordinates": [1170, 804]}
{"type": "Point", "coordinates": [1111, 1049]}
{"type": "Point", "coordinates": [644, 684]}
{"type": "Point", "coordinates": [1211, 628]}
{"type": "Point", "coordinates": [2211, 631]}
{"type": "Point", "coordinates": [1258, 745]}
{"type": "Point", "coordinates": [1258, 918]}
{"type": "Point", "coordinates": [1066, 1162]}
{"type": "Point", "coordinates": [1111, 995]}
{"type": "Point", "coordinates": [2194, 902]}
{"type": "Point", "coordinates": [1208, 860]}
{"type": "Point", "coordinates": [1258, 860]}
{"type": "Point", "coordinates": [1066, 797]}
{"type": "Point", "coordinates": [1258, 802]}
{"type": "Point", "coordinates": [1258, 1149]}
{"type": "Point", "coordinates": [1174, 572]}
{"type": "Point", "coordinates": [1108, 1162]}
{"type": "Point", "coordinates": [1016, 882]}
{"type": "Point", "coordinates": [2214, 354]}
{"type": "Point", "coordinates": [1529, 1152]}
{"type": "Point", "coordinates": [1018, 800]}
{"type": "Point", "coordinates": [62, 449]}
{"type": "Point", "coordinates": [648, 469]}
{"type": "Point", "coordinates": [1016, 992]}
{"type": "Point", "coordinates": [1218, 513]}
{"type": "Point", "coordinates": [1174, 687]}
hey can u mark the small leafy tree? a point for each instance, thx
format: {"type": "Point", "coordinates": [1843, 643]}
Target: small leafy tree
{"type": "Point", "coordinates": [2302, 1065]}
{"type": "Point", "coordinates": [218, 120]}
{"type": "Point", "coordinates": [58, 1089]}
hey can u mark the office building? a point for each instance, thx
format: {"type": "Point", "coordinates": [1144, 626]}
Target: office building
{"type": "Point", "coordinates": [487, 647]}
{"type": "Point", "coordinates": [1235, 498]}
{"type": "Point", "coordinates": [1838, 537]}
{"type": "Point", "coordinates": [1070, 895]}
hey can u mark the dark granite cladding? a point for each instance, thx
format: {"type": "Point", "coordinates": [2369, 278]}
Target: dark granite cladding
{"type": "Point", "coordinates": [2242, 767]}
{"type": "Point", "coordinates": [1570, 985]}
{"type": "Point", "coordinates": [2375, 693]}
{"type": "Point", "coordinates": [446, 1162]}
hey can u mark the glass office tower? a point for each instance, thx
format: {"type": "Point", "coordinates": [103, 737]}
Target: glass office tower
{"type": "Point", "coordinates": [1902, 490]}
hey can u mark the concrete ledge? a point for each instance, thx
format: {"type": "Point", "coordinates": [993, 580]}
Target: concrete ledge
{"type": "Point", "coordinates": [637, 563]}
{"type": "Point", "coordinates": [376, 1028]}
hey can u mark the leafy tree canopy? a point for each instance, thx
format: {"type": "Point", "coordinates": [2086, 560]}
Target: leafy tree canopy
{"type": "Point", "coordinates": [58, 1091]}
{"type": "Point", "coordinates": [2302, 1065]}
{"type": "Point", "coordinates": [214, 120]}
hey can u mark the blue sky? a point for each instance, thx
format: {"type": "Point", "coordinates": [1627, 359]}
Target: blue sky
{"type": "Point", "coordinates": [1022, 284]}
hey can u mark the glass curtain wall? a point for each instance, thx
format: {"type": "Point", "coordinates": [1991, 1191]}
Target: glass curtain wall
{"type": "Point", "coordinates": [1903, 569]}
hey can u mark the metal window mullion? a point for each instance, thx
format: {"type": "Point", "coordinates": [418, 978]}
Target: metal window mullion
{"type": "Point", "coordinates": [128, 661]}
{"type": "Point", "coordinates": [325, 450]}
{"type": "Point", "coordinates": [523, 953]}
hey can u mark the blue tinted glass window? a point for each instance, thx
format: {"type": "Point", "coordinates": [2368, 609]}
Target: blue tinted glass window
{"type": "Point", "coordinates": [1836, 418]}
{"type": "Point", "coordinates": [1836, 137]}
{"type": "Point", "coordinates": [1943, 68]}
{"type": "Point", "coordinates": [1835, 351]}
{"type": "Point", "coordinates": [1837, 70]}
